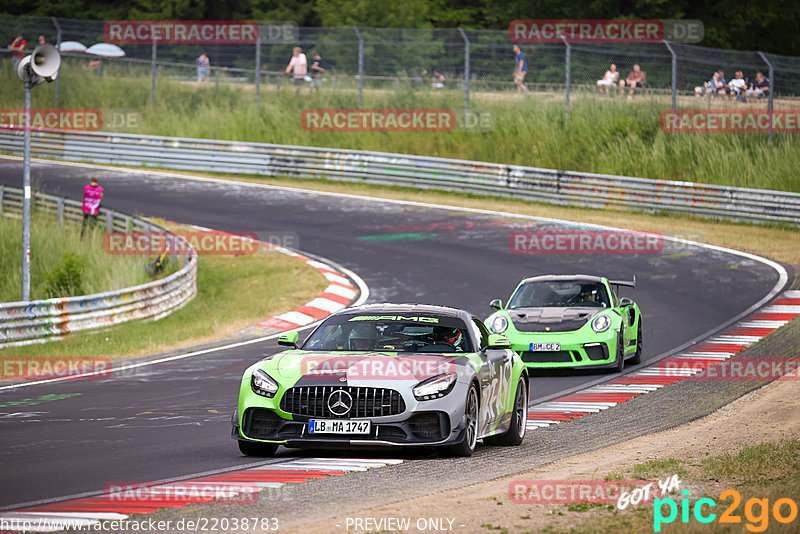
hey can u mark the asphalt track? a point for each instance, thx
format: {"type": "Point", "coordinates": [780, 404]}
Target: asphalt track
{"type": "Point", "coordinates": [172, 419]}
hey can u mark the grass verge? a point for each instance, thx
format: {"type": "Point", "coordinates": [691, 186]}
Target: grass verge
{"type": "Point", "coordinates": [233, 292]}
{"type": "Point", "coordinates": [762, 474]}
{"type": "Point", "coordinates": [606, 135]}
{"type": "Point", "coordinates": [63, 264]}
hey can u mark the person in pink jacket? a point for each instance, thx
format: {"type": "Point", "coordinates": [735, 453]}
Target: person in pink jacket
{"type": "Point", "coordinates": [92, 195]}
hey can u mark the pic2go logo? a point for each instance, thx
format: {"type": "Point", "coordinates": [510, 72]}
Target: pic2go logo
{"type": "Point", "coordinates": [756, 511]}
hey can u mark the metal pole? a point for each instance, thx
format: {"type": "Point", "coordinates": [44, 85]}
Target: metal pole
{"type": "Point", "coordinates": [58, 45]}
{"type": "Point", "coordinates": [567, 67]}
{"type": "Point", "coordinates": [26, 198]}
{"type": "Point", "coordinates": [360, 66]}
{"type": "Point", "coordinates": [466, 76]}
{"type": "Point", "coordinates": [674, 77]}
{"type": "Point", "coordinates": [153, 76]}
{"type": "Point", "coordinates": [258, 66]}
{"type": "Point", "coordinates": [771, 91]}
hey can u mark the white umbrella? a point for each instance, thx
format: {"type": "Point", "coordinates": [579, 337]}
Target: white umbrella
{"type": "Point", "coordinates": [105, 50]}
{"type": "Point", "coordinates": [71, 46]}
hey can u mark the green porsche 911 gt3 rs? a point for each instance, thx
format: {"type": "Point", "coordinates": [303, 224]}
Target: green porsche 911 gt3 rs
{"type": "Point", "coordinates": [573, 321]}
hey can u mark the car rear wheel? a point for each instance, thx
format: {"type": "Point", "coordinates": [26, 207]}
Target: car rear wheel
{"type": "Point", "coordinates": [519, 418]}
{"type": "Point", "coordinates": [470, 435]}
{"type": "Point", "coordinates": [637, 358]}
{"type": "Point", "coordinates": [249, 448]}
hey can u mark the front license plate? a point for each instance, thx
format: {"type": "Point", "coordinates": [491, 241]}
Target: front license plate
{"type": "Point", "coordinates": [337, 426]}
{"type": "Point", "coordinates": [545, 347]}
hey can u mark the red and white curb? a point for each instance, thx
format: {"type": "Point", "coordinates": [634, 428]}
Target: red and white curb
{"type": "Point", "coordinates": [89, 512]}
{"type": "Point", "coordinates": [339, 294]}
{"type": "Point", "coordinates": [708, 353]}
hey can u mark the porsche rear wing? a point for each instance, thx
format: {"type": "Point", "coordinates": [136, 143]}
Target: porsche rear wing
{"type": "Point", "coordinates": [625, 283]}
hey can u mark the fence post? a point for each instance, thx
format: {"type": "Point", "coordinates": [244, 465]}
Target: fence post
{"type": "Point", "coordinates": [58, 45]}
{"type": "Point", "coordinates": [360, 66]}
{"type": "Point", "coordinates": [567, 64]}
{"type": "Point", "coordinates": [258, 66]}
{"type": "Point", "coordinates": [2, 191]}
{"type": "Point", "coordinates": [466, 76]}
{"type": "Point", "coordinates": [60, 211]}
{"type": "Point", "coordinates": [771, 91]}
{"type": "Point", "coordinates": [153, 76]}
{"type": "Point", "coordinates": [109, 220]}
{"type": "Point", "coordinates": [674, 77]}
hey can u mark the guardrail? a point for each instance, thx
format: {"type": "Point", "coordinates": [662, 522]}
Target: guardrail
{"type": "Point", "coordinates": [530, 183]}
{"type": "Point", "coordinates": [22, 323]}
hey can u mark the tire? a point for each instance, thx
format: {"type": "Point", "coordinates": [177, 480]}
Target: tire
{"type": "Point", "coordinates": [620, 353]}
{"type": "Point", "coordinates": [519, 417]}
{"type": "Point", "coordinates": [250, 448]}
{"type": "Point", "coordinates": [470, 440]}
{"type": "Point", "coordinates": [637, 358]}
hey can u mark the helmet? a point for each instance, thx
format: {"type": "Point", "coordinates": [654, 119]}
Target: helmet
{"type": "Point", "coordinates": [453, 336]}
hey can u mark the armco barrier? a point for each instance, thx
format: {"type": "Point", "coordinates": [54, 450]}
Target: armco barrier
{"type": "Point", "coordinates": [531, 183]}
{"type": "Point", "coordinates": [23, 323]}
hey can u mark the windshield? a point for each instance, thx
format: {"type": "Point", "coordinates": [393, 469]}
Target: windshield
{"type": "Point", "coordinates": [390, 333]}
{"type": "Point", "coordinates": [559, 294]}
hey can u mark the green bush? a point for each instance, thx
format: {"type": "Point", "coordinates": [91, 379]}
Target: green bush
{"type": "Point", "coordinates": [65, 279]}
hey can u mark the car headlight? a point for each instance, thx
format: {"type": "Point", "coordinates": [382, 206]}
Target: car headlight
{"type": "Point", "coordinates": [263, 384]}
{"type": "Point", "coordinates": [601, 323]}
{"type": "Point", "coordinates": [499, 324]}
{"type": "Point", "coordinates": [435, 387]}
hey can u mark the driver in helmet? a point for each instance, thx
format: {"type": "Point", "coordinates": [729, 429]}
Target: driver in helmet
{"type": "Point", "coordinates": [449, 336]}
{"type": "Point", "coordinates": [362, 337]}
{"type": "Point", "coordinates": [589, 295]}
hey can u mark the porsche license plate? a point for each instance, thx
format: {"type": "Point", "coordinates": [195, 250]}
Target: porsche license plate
{"type": "Point", "coordinates": [337, 426]}
{"type": "Point", "coordinates": [545, 347]}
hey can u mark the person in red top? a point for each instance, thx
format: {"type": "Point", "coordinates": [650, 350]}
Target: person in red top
{"type": "Point", "coordinates": [634, 80]}
{"type": "Point", "coordinates": [18, 44]}
{"type": "Point", "coordinates": [92, 195]}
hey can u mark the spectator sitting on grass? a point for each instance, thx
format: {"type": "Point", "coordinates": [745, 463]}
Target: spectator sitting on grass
{"type": "Point", "coordinates": [634, 80]}
{"type": "Point", "coordinates": [758, 88]}
{"type": "Point", "coordinates": [715, 85]}
{"type": "Point", "coordinates": [438, 79]}
{"type": "Point", "coordinates": [610, 78]}
{"type": "Point", "coordinates": [737, 86]}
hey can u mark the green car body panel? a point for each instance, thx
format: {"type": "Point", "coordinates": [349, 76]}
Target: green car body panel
{"type": "Point", "coordinates": [580, 346]}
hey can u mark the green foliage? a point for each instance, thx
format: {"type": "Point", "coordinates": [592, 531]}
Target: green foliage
{"type": "Point", "coordinates": [738, 25]}
{"type": "Point", "coordinates": [65, 279]}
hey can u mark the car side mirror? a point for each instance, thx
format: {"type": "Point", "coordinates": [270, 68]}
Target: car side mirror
{"type": "Point", "coordinates": [625, 301]}
{"type": "Point", "coordinates": [496, 304]}
{"type": "Point", "coordinates": [289, 339]}
{"type": "Point", "coordinates": [497, 341]}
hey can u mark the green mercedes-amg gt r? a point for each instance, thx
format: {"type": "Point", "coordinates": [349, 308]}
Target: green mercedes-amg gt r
{"type": "Point", "coordinates": [386, 374]}
{"type": "Point", "coordinates": [573, 321]}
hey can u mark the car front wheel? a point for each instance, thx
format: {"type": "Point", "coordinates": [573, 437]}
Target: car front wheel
{"type": "Point", "coordinates": [470, 435]}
